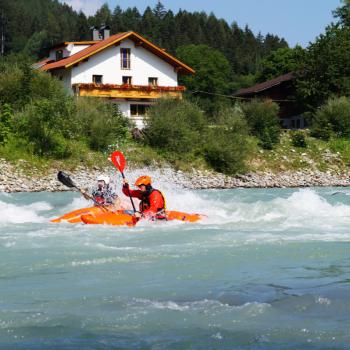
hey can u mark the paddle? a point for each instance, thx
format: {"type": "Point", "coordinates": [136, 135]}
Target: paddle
{"type": "Point", "coordinates": [67, 181]}
{"type": "Point", "coordinates": [119, 162]}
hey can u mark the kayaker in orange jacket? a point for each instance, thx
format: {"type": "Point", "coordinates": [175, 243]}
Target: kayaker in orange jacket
{"type": "Point", "coordinates": [152, 203]}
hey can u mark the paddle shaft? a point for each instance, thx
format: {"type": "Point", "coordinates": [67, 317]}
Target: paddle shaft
{"type": "Point", "coordinates": [67, 181]}
{"type": "Point", "coordinates": [92, 198]}
{"type": "Point", "coordinates": [132, 202]}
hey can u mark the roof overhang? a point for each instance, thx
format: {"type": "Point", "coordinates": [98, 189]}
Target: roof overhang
{"type": "Point", "coordinates": [116, 39]}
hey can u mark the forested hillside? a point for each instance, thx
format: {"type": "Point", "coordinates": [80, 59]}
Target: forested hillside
{"type": "Point", "coordinates": [33, 25]}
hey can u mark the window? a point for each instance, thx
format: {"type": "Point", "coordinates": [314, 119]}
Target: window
{"type": "Point", "coordinates": [127, 80]}
{"type": "Point", "coordinates": [59, 55]}
{"type": "Point", "coordinates": [153, 81]}
{"type": "Point", "coordinates": [136, 110]}
{"type": "Point", "coordinates": [125, 58]}
{"type": "Point", "coordinates": [97, 79]}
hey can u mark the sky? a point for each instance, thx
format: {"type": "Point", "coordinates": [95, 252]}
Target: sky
{"type": "Point", "coordinates": [298, 21]}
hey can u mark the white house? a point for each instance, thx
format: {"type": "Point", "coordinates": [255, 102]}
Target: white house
{"type": "Point", "coordinates": [125, 68]}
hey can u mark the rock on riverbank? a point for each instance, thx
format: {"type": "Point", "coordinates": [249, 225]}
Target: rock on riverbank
{"type": "Point", "coordinates": [12, 179]}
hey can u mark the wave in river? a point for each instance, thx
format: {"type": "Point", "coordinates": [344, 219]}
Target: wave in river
{"type": "Point", "coordinates": [282, 210]}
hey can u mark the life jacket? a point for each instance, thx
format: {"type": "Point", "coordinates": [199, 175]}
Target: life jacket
{"type": "Point", "coordinates": [145, 204]}
{"type": "Point", "coordinates": [99, 199]}
{"type": "Point", "coordinates": [103, 196]}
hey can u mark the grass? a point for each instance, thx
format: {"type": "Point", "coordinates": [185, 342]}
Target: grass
{"type": "Point", "coordinates": [318, 155]}
{"type": "Point", "coordinates": [23, 159]}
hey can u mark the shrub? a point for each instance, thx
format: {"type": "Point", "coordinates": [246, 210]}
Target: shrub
{"type": "Point", "coordinates": [5, 122]}
{"type": "Point", "coordinates": [100, 123]}
{"type": "Point", "coordinates": [228, 144]}
{"type": "Point", "coordinates": [175, 125]}
{"type": "Point", "coordinates": [44, 124]}
{"type": "Point", "coordinates": [298, 139]}
{"type": "Point", "coordinates": [263, 120]}
{"type": "Point", "coordinates": [332, 119]}
{"type": "Point", "coordinates": [10, 83]}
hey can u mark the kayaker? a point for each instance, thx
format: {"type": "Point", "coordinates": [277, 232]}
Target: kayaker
{"type": "Point", "coordinates": [104, 194]}
{"type": "Point", "coordinates": [152, 202]}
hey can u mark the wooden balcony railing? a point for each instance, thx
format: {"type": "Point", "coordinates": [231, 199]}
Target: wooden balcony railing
{"type": "Point", "coordinates": [128, 91]}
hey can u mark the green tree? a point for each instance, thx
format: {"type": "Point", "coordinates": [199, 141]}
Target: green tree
{"type": "Point", "coordinates": [102, 16]}
{"type": "Point", "coordinates": [212, 73]}
{"type": "Point", "coordinates": [175, 126]}
{"type": "Point", "coordinates": [343, 13]}
{"type": "Point", "coordinates": [159, 11]}
{"type": "Point", "coordinates": [36, 45]}
{"type": "Point", "coordinates": [100, 123]}
{"type": "Point", "coordinates": [228, 144]}
{"type": "Point", "coordinates": [118, 24]}
{"type": "Point", "coordinates": [263, 120]}
{"type": "Point", "coordinates": [280, 62]}
{"type": "Point", "coordinates": [325, 67]}
{"type": "Point", "coordinates": [332, 119]}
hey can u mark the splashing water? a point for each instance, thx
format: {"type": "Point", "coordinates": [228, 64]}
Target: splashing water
{"type": "Point", "coordinates": [268, 269]}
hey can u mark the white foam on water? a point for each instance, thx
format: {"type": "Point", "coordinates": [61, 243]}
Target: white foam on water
{"type": "Point", "coordinates": [77, 203]}
{"type": "Point", "coordinates": [18, 214]}
{"type": "Point", "coordinates": [102, 261]}
{"type": "Point", "coordinates": [205, 305]}
{"type": "Point", "coordinates": [303, 208]}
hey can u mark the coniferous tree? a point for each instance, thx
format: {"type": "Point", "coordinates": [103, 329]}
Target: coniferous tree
{"type": "Point", "coordinates": [159, 11]}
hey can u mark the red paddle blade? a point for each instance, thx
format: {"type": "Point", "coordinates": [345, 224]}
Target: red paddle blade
{"type": "Point", "coordinates": [118, 160]}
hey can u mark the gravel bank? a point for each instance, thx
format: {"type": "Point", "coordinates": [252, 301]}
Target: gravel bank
{"type": "Point", "coordinates": [14, 180]}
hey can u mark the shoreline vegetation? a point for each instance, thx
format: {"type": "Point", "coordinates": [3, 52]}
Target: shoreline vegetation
{"type": "Point", "coordinates": [320, 164]}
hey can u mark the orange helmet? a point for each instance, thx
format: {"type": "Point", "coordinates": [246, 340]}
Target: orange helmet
{"type": "Point", "coordinates": [143, 180]}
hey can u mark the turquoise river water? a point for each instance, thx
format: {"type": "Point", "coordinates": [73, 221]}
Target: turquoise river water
{"type": "Point", "coordinates": [268, 269]}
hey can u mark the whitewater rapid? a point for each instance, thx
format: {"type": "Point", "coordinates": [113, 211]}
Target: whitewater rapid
{"type": "Point", "coordinates": [269, 210]}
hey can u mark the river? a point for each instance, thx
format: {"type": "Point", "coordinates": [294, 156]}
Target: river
{"type": "Point", "coordinates": [268, 269]}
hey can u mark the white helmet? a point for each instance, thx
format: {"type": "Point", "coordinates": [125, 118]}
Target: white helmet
{"type": "Point", "coordinates": [103, 178]}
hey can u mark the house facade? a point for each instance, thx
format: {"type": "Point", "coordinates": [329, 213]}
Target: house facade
{"type": "Point", "coordinates": [124, 68]}
{"type": "Point", "coordinates": [282, 91]}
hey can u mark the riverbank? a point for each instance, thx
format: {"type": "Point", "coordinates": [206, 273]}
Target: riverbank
{"type": "Point", "coordinates": [13, 179]}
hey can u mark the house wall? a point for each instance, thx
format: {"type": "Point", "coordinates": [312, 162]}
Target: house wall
{"type": "Point", "coordinates": [77, 48]}
{"type": "Point", "coordinates": [144, 64]}
{"type": "Point", "coordinates": [124, 107]}
{"type": "Point", "coordinates": [65, 76]}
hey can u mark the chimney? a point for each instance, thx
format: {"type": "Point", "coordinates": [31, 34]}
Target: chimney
{"type": "Point", "coordinates": [95, 33]}
{"type": "Point", "coordinates": [104, 32]}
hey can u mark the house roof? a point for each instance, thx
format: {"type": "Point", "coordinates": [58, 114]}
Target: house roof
{"type": "Point", "coordinates": [41, 63]}
{"type": "Point", "coordinates": [113, 40]}
{"type": "Point", "coordinates": [265, 85]}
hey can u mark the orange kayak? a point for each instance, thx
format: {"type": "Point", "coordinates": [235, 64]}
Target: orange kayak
{"type": "Point", "coordinates": [116, 219]}
{"type": "Point", "coordinates": [75, 216]}
{"type": "Point", "coordinates": [120, 218]}
{"type": "Point", "coordinates": [100, 215]}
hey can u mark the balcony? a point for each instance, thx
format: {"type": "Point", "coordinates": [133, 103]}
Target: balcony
{"type": "Point", "coordinates": [128, 91]}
